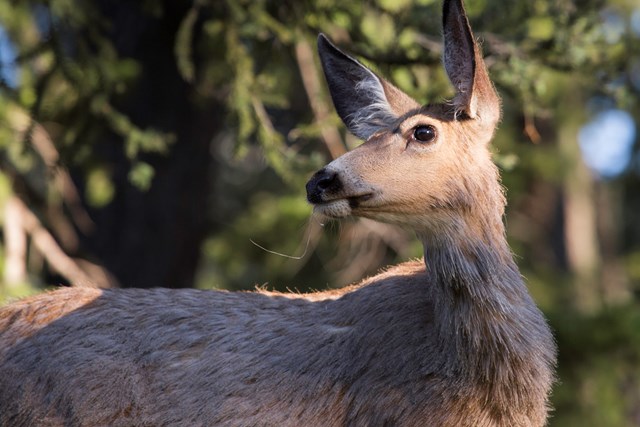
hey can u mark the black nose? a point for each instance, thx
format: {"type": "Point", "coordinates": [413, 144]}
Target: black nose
{"type": "Point", "coordinates": [321, 183]}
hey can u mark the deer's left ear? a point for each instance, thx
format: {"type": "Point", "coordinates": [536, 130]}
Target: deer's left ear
{"type": "Point", "coordinates": [475, 94]}
{"type": "Point", "coordinates": [365, 102]}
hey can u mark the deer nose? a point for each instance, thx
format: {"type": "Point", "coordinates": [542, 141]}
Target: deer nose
{"type": "Point", "coordinates": [322, 182]}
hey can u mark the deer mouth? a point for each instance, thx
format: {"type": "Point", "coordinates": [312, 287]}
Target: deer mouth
{"type": "Point", "coordinates": [329, 195]}
{"type": "Point", "coordinates": [341, 207]}
{"type": "Point", "coordinates": [355, 201]}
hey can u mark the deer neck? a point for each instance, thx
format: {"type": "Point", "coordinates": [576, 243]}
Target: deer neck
{"type": "Point", "coordinates": [482, 305]}
{"type": "Point", "coordinates": [488, 327]}
{"type": "Point", "coordinates": [470, 253]}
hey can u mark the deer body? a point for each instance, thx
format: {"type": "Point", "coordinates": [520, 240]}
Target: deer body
{"type": "Point", "coordinates": [163, 357]}
{"type": "Point", "coordinates": [452, 341]}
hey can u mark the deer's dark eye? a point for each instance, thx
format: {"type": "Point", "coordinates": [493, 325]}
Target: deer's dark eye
{"type": "Point", "coordinates": [424, 134]}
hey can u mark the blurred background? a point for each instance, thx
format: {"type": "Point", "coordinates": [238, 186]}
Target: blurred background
{"type": "Point", "coordinates": [151, 143]}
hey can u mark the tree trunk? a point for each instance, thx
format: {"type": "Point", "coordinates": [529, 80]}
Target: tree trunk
{"type": "Point", "coordinates": [580, 223]}
{"type": "Point", "coordinates": [153, 238]}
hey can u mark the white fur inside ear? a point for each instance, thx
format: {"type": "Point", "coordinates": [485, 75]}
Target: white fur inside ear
{"type": "Point", "coordinates": [375, 116]}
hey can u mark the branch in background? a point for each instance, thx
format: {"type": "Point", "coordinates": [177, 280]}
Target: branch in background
{"type": "Point", "coordinates": [71, 198]}
{"type": "Point", "coordinates": [31, 130]}
{"type": "Point", "coordinates": [530, 126]}
{"type": "Point", "coordinates": [15, 243]}
{"type": "Point", "coordinates": [55, 256]}
{"type": "Point", "coordinates": [321, 112]}
{"type": "Point", "coordinates": [433, 45]}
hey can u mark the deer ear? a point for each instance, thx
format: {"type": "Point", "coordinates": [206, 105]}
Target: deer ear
{"type": "Point", "coordinates": [475, 94]}
{"type": "Point", "coordinates": [365, 102]}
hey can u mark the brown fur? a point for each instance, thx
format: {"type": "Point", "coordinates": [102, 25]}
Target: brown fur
{"type": "Point", "coordinates": [452, 341]}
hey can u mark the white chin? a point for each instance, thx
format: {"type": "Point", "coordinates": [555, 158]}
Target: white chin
{"type": "Point", "coordinates": [334, 209]}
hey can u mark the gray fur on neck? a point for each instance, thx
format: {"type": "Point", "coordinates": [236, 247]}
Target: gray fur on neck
{"type": "Point", "coordinates": [500, 338]}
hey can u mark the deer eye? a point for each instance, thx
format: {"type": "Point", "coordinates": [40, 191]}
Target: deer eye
{"type": "Point", "coordinates": [424, 133]}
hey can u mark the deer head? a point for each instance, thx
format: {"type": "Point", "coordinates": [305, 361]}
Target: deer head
{"type": "Point", "coordinates": [422, 166]}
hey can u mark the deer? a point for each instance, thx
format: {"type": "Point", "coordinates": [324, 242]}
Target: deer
{"type": "Point", "coordinates": [454, 339]}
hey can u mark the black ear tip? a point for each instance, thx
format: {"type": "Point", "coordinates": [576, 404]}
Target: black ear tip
{"type": "Point", "coordinates": [449, 4]}
{"type": "Point", "coordinates": [324, 42]}
{"type": "Point", "coordinates": [327, 49]}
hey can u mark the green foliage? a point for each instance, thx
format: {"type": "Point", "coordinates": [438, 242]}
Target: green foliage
{"type": "Point", "coordinates": [100, 189]}
{"type": "Point", "coordinates": [598, 368]}
{"type": "Point", "coordinates": [74, 90]}
{"type": "Point", "coordinates": [141, 175]}
{"type": "Point", "coordinates": [136, 140]}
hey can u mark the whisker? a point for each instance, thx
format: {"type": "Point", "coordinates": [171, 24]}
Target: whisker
{"type": "Point", "coordinates": [306, 246]}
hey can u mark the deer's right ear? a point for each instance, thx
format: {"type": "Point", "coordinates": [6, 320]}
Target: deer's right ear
{"type": "Point", "coordinates": [365, 102]}
{"type": "Point", "coordinates": [475, 94]}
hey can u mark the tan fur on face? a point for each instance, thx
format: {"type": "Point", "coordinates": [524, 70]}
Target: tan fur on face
{"type": "Point", "coordinates": [418, 184]}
